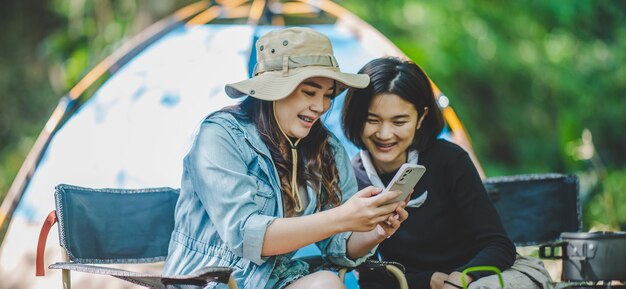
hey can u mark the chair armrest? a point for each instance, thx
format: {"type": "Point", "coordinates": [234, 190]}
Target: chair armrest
{"type": "Point", "coordinates": [374, 264]}
{"type": "Point", "coordinates": [51, 219]}
{"type": "Point", "coordinates": [198, 278]}
{"type": "Point", "coordinates": [318, 263]}
{"type": "Point", "coordinates": [394, 268]}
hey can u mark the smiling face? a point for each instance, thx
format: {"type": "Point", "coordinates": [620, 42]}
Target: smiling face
{"type": "Point", "coordinates": [389, 130]}
{"type": "Point", "coordinates": [297, 112]}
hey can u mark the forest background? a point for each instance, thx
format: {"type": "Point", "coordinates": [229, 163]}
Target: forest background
{"type": "Point", "coordinates": [539, 85]}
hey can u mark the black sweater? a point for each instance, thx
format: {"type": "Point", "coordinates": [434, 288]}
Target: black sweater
{"type": "Point", "coordinates": [456, 227]}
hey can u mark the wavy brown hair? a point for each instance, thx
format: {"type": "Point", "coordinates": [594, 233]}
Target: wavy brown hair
{"type": "Point", "coordinates": [315, 155]}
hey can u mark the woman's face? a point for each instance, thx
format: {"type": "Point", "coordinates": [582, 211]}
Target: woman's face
{"type": "Point", "coordinates": [389, 130]}
{"type": "Point", "coordinates": [297, 113]}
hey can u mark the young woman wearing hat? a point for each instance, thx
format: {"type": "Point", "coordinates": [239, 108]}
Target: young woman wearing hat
{"type": "Point", "coordinates": [452, 223]}
{"type": "Point", "coordinates": [264, 178]}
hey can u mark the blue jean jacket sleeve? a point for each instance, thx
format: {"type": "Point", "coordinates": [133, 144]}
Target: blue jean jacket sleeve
{"type": "Point", "coordinates": [334, 248]}
{"type": "Point", "coordinates": [218, 172]}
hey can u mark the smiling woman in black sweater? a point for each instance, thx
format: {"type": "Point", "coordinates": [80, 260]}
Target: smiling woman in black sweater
{"type": "Point", "coordinates": [452, 225]}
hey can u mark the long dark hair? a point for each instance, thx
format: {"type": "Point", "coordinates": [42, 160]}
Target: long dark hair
{"type": "Point", "coordinates": [395, 76]}
{"type": "Point", "coordinates": [314, 149]}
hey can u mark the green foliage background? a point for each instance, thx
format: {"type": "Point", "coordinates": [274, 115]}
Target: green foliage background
{"type": "Point", "coordinates": [526, 77]}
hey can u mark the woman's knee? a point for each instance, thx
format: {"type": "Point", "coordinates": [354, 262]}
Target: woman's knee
{"type": "Point", "coordinates": [320, 279]}
{"type": "Point", "coordinates": [327, 279]}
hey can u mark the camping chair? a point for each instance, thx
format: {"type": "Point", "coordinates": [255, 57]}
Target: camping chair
{"type": "Point", "coordinates": [119, 226]}
{"type": "Point", "coordinates": [536, 209]}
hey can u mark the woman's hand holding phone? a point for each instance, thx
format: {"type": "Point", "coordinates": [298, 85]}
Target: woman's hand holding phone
{"type": "Point", "coordinates": [368, 208]}
{"type": "Point", "coordinates": [392, 224]}
{"type": "Point", "coordinates": [402, 184]}
{"type": "Point", "coordinates": [370, 219]}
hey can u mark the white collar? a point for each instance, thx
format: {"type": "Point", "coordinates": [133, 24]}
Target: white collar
{"type": "Point", "coordinates": [371, 171]}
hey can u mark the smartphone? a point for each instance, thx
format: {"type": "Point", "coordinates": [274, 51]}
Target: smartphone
{"type": "Point", "coordinates": [405, 180]}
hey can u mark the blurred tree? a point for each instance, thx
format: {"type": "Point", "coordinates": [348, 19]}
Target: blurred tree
{"type": "Point", "coordinates": [45, 48]}
{"type": "Point", "coordinates": [26, 97]}
{"type": "Point", "coordinates": [527, 77]}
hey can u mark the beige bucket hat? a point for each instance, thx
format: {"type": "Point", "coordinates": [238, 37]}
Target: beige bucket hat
{"type": "Point", "coordinates": [287, 57]}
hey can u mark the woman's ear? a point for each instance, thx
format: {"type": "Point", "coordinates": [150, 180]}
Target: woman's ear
{"type": "Point", "coordinates": [421, 119]}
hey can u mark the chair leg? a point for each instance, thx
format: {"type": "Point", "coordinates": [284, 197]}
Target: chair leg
{"type": "Point", "coordinates": [67, 282]}
{"type": "Point", "coordinates": [399, 275]}
{"type": "Point", "coordinates": [231, 283]}
{"type": "Point", "coordinates": [65, 274]}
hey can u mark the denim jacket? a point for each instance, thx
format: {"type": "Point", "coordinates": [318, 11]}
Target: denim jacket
{"type": "Point", "coordinates": [230, 194]}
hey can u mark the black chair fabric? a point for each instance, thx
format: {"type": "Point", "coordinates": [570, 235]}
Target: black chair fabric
{"type": "Point", "coordinates": [535, 209]}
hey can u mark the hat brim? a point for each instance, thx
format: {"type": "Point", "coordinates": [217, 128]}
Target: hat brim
{"type": "Point", "coordinates": [273, 85]}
